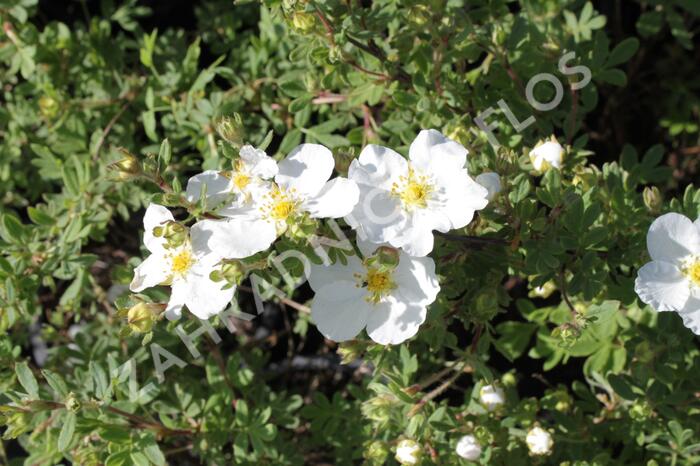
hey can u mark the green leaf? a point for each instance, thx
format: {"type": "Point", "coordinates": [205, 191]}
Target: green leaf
{"type": "Point", "coordinates": [514, 338]}
{"type": "Point", "coordinates": [67, 431]}
{"type": "Point", "coordinates": [613, 76]}
{"type": "Point", "coordinates": [27, 379]}
{"type": "Point", "coordinates": [623, 52]}
{"type": "Point", "coordinates": [56, 382]}
{"type": "Point", "coordinates": [11, 229]}
{"type": "Point", "coordinates": [164, 154]}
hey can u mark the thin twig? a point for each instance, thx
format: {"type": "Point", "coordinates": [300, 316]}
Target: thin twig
{"type": "Point", "coordinates": [289, 302]}
{"type": "Point", "coordinates": [108, 128]}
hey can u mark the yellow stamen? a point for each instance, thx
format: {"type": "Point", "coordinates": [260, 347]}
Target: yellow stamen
{"type": "Point", "coordinates": [414, 190]}
{"type": "Point", "coordinates": [281, 205]}
{"type": "Point", "coordinates": [692, 271]}
{"type": "Point", "coordinates": [240, 178]}
{"type": "Point", "coordinates": [182, 262]}
{"type": "Point", "coordinates": [378, 283]}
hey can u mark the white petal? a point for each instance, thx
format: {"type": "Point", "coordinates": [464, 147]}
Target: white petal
{"type": "Point", "coordinates": [340, 320]}
{"type": "Point", "coordinates": [392, 322]}
{"type": "Point", "coordinates": [205, 297]}
{"type": "Point", "coordinates": [218, 188]}
{"type": "Point", "coordinates": [377, 216]}
{"type": "Point", "coordinates": [690, 313]}
{"type": "Point", "coordinates": [416, 241]}
{"type": "Point", "coordinates": [463, 196]}
{"type": "Point", "coordinates": [156, 215]}
{"type": "Point", "coordinates": [492, 182]}
{"type": "Point", "coordinates": [306, 169]}
{"type": "Point", "coordinates": [433, 150]}
{"type": "Point", "coordinates": [378, 166]}
{"type": "Point", "coordinates": [322, 275]}
{"type": "Point", "coordinates": [151, 272]}
{"type": "Point", "coordinates": [259, 163]}
{"type": "Point", "coordinates": [416, 279]}
{"type": "Point", "coordinates": [233, 238]}
{"type": "Point", "coordinates": [337, 199]}
{"type": "Point", "coordinates": [672, 237]}
{"type": "Point", "coordinates": [662, 286]}
{"type": "Point", "coordinates": [178, 294]}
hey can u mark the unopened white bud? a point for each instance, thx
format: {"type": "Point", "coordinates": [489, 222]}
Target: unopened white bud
{"type": "Point", "coordinates": [491, 397]}
{"type": "Point", "coordinates": [468, 447]}
{"type": "Point", "coordinates": [539, 441]}
{"type": "Point", "coordinates": [547, 154]}
{"type": "Point", "coordinates": [408, 452]}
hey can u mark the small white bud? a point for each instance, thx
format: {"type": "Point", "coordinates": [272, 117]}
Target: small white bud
{"type": "Point", "coordinates": [539, 441]}
{"type": "Point", "coordinates": [547, 154]}
{"type": "Point", "coordinates": [491, 397]}
{"type": "Point", "coordinates": [492, 182]}
{"type": "Point", "coordinates": [408, 452]}
{"type": "Point", "coordinates": [468, 448]}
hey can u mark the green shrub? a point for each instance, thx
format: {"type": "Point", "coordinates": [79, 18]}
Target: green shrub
{"type": "Point", "coordinates": [537, 344]}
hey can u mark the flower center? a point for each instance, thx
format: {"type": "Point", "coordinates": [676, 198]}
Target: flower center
{"type": "Point", "coordinates": [692, 271]}
{"type": "Point", "coordinates": [378, 283]}
{"type": "Point", "coordinates": [241, 180]}
{"type": "Point", "coordinates": [281, 205]}
{"type": "Point", "coordinates": [414, 190]}
{"type": "Point", "coordinates": [182, 262]}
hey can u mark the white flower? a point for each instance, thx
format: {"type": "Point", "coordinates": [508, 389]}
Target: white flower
{"type": "Point", "coordinates": [301, 188]}
{"type": "Point", "coordinates": [403, 201]}
{"type": "Point", "coordinates": [492, 182]}
{"type": "Point", "coordinates": [491, 397]}
{"type": "Point", "coordinates": [390, 303]}
{"type": "Point", "coordinates": [468, 447]}
{"type": "Point", "coordinates": [671, 281]}
{"type": "Point", "coordinates": [539, 441]}
{"type": "Point", "coordinates": [185, 268]}
{"type": "Point", "coordinates": [229, 191]}
{"type": "Point", "coordinates": [408, 452]}
{"type": "Point", "coordinates": [547, 154]}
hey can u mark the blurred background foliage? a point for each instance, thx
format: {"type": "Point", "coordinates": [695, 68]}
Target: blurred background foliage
{"type": "Point", "coordinates": [84, 81]}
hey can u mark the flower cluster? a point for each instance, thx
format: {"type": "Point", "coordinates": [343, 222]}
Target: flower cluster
{"type": "Point", "coordinates": [392, 203]}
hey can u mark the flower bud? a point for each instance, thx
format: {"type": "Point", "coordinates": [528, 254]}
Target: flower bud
{"type": "Point", "coordinates": [377, 452]}
{"type": "Point", "coordinates": [492, 182]}
{"type": "Point", "coordinates": [126, 168]}
{"type": "Point", "coordinates": [72, 403]}
{"type": "Point", "coordinates": [174, 233]}
{"type": "Point", "coordinates": [408, 452]}
{"type": "Point", "coordinates": [350, 351]}
{"type": "Point", "coordinates": [141, 316]}
{"type": "Point", "coordinates": [653, 199]}
{"type": "Point", "coordinates": [468, 447]}
{"type": "Point", "coordinates": [49, 107]}
{"type": "Point", "coordinates": [539, 441]}
{"type": "Point", "coordinates": [491, 397]}
{"type": "Point", "coordinates": [231, 271]}
{"type": "Point", "coordinates": [547, 154]}
{"type": "Point", "coordinates": [231, 130]}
